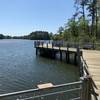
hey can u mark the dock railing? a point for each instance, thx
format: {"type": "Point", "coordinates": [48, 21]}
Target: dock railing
{"type": "Point", "coordinates": [69, 91]}
{"type": "Point", "coordinates": [55, 44]}
{"type": "Point", "coordinates": [88, 81]}
{"type": "Point", "coordinates": [84, 45]}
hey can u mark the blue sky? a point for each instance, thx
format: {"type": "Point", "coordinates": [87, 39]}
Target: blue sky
{"type": "Point", "coordinates": [20, 17]}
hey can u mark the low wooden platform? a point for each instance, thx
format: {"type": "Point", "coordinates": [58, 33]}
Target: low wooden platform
{"type": "Point", "coordinates": [45, 86]}
{"type": "Point", "coordinates": [51, 51]}
{"type": "Point", "coordinates": [92, 59]}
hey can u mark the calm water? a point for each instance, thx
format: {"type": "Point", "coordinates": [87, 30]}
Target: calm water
{"type": "Point", "coordinates": [20, 69]}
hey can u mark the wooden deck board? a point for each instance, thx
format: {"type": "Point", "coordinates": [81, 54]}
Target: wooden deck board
{"type": "Point", "coordinates": [92, 58]}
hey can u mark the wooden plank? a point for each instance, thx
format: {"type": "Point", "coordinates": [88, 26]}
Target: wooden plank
{"type": "Point", "coordinates": [44, 86]}
{"type": "Point", "coordinates": [92, 58]}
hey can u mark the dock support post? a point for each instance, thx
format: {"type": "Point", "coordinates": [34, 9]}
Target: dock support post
{"type": "Point", "coordinates": [75, 58]}
{"type": "Point", "coordinates": [52, 45]}
{"type": "Point", "coordinates": [47, 45]}
{"type": "Point", "coordinates": [67, 55]}
{"type": "Point", "coordinates": [42, 44]}
{"type": "Point", "coordinates": [53, 54]}
{"type": "Point", "coordinates": [60, 55]}
{"type": "Point", "coordinates": [36, 51]}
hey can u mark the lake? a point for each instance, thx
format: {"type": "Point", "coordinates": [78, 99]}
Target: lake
{"type": "Point", "coordinates": [21, 69]}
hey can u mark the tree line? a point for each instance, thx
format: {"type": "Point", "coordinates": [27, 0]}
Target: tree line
{"type": "Point", "coordinates": [37, 35]}
{"type": "Point", "coordinates": [84, 26]}
{"type": "Point", "coordinates": [5, 37]}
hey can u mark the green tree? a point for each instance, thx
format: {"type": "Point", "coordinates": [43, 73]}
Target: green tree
{"type": "Point", "coordinates": [66, 35]}
{"type": "Point", "coordinates": [2, 36]}
{"type": "Point", "coordinates": [51, 35]}
{"type": "Point", "coordinates": [92, 8]}
{"type": "Point", "coordinates": [39, 35]}
{"type": "Point", "coordinates": [82, 5]}
{"type": "Point", "coordinates": [60, 30]}
{"type": "Point", "coordinates": [73, 27]}
{"type": "Point", "coordinates": [81, 23]}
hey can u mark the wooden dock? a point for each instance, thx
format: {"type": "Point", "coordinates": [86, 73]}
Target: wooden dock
{"type": "Point", "coordinates": [89, 65]}
{"type": "Point", "coordinates": [92, 58]}
{"type": "Point", "coordinates": [49, 50]}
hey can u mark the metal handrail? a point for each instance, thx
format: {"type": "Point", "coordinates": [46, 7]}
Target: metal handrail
{"type": "Point", "coordinates": [49, 94]}
{"type": "Point", "coordinates": [37, 89]}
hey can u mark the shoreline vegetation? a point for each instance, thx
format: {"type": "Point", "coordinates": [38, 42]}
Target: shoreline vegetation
{"type": "Point", "coordinates": [37, 35]}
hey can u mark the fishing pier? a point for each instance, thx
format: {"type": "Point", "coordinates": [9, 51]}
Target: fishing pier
{"type": "Point", "coordinates": [51, 51]}
{"type": "Point", "coordinates": [88, 62]}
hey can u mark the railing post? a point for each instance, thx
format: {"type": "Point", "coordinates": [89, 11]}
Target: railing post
{"type": "Point", "coordinates": [47, 45]}
{"type": "Point", "coordinates": [89, 88]}
{"type": "Point", "coordinates": [67, 54]}
{"type": "Point", "coordinates": [78, 55]}
{"type": "Point", "coordinates": [83, 95]}
{"type": "Point", "coordinates": [60, 53]}
{"type": "Point", "coordinates": [42, 44]}
{"type": "Point", "coordinates": [38, 43]}
{"type": "Point", "coordinates": [52, 45]}
{"type": "Point", "coordinates": [80, 63]}
{"type": "Point", "coordinates": [86, 88]}
{"type": "Point", "coordinates": [34, 44]}
{"type": "Point", "coordinates": [36, 51]}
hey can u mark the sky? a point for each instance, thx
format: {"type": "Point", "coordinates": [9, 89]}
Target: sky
{"type": "Point", "coordinates": [20, 17]}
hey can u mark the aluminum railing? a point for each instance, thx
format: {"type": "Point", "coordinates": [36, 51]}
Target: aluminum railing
{"type": "Point", "coordinates": [69, 91]}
